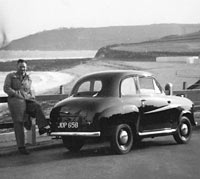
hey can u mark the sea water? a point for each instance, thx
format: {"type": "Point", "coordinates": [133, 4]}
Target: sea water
{"type": "Point", "coordinates": [9, 55]}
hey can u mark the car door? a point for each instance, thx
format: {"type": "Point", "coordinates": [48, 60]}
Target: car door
{"type": "Point", "coordinates": [154, 112]}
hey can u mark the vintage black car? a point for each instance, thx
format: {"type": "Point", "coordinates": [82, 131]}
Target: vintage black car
{"type": "Point", "coordinates": [122, 106]}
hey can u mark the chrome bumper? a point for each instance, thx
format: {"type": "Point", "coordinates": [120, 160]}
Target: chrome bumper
{"type": "Point", "coordinates": [81, 134]}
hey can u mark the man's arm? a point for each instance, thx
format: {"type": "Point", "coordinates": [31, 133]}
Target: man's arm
{"type": "Point", "coordinates": [8, 89]}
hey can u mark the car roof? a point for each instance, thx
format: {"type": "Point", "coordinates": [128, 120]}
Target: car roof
{"type": "Point", "coordinates": [110, 79]}
{"type": "Point", "coordinates": [118, 73]}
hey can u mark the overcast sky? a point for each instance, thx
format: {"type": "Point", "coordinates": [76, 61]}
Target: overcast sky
{"type": "Point", "coordinates": [20, 18]}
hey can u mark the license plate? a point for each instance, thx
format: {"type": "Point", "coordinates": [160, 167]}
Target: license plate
{"type": "Point", "coordinates": [69, 125]}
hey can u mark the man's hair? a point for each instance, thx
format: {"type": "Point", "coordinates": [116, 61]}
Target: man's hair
{"type": "Point", "coordinates": [21, 61]}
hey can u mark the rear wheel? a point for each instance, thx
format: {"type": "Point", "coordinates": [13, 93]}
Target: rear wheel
{"type": "Point", "coordinates": [121, 138]}
{"type": "Point", "coordinates": [74, 144]}
{"type": "Point", "coordinates": [184, 131]}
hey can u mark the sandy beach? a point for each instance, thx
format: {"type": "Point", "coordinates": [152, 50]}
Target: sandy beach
{"type": "Point", "coordinates": [47, 81]}
{"type": "Point", "coordinates": [42, 81]}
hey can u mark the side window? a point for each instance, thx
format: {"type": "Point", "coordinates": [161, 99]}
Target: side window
{"type": "Point", "coordinates": [128, 87]}
{"type": "Point", "coordinates": [97, 86]}
{"type": "Point", "coordinates": [89, 87]}
{"type": "Point", "coordinates": [148, 85]}
{"type": "Point", "coordinates": [84, 87]}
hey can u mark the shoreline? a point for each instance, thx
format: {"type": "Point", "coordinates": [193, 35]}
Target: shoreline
{"type": "Point", "coordinates": [164, 72]}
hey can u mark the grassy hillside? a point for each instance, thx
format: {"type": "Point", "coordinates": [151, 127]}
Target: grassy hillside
{"type": "Point", "coordinates": [95, 38]}
{"type": "Point", "coordinates": [174, 45]}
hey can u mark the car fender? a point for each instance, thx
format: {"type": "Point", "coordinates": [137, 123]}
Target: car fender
{"type": "Point", "coordinates": [188, 114]}
{"type": "Point", "coordinates": [116, 115]}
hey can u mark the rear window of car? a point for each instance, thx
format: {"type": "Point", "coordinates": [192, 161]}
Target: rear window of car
{"type": "Point", "coordinates": [89, 88]}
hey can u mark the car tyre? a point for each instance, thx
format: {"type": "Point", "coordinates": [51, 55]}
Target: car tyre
{"type": "Point", "coordinates": [184, 131]}
{"type": "Point", "coordinates": [121, 139]}
{"type": "Point", "coordinates": [73, 144]}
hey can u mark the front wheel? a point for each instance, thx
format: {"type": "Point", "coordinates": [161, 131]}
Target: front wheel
{"type": "Point", "coordinates": [184, 131]}
{"type": "Point", "coordinates": [121, 138]}
{"type": "Point", "coordinates": [74, 144]}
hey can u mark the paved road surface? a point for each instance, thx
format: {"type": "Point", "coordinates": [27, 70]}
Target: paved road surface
{"type": "Point", "coordinates": [154, 158]}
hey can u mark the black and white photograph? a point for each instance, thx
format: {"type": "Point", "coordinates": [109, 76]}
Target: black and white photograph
{"type": "Point", "coordinates": [99, 89]}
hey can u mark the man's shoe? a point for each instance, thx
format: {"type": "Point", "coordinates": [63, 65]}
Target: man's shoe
{"type": "Point", "coordinates": [23, 151]}
{"type": "Point", "coordinates": [44, 130]}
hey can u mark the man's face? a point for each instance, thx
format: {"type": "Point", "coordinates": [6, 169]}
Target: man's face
{"type": "Point", "coordinates": [21, 68]}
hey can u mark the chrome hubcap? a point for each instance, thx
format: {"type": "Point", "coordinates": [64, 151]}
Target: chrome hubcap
{"type": "Point", "coordinates": [123, 137]}
{"type": "Point", "coordinates": [184, 129]}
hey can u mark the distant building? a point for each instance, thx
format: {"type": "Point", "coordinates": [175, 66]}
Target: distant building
{"type": "Point", "coordinates": [179, 59]}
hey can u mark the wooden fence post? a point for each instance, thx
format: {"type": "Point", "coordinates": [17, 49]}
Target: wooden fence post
{"type": "Point", "coordinates": [61, 89]}
{"type": "Point", "coordinates": [184, 85]}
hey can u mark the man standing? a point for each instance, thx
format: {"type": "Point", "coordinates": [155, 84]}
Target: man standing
{"type": "Point", "coordinates": [21, 101]}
